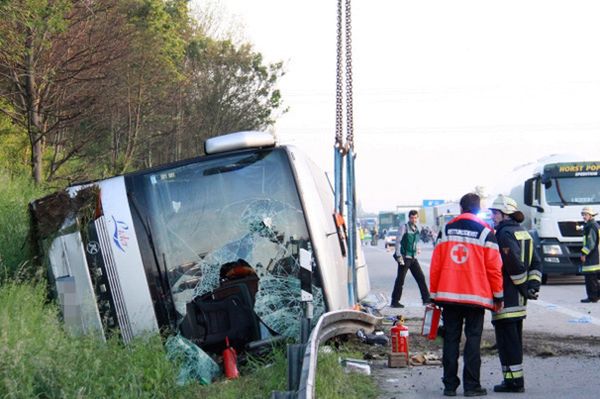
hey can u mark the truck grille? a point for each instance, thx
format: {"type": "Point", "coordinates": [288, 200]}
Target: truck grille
{"type": "Point", "coordinates": [571, 229]}
{"type": "Point", "coordinates": [574, 249]}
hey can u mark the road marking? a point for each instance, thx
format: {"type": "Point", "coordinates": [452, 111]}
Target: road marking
{"type": "Point", "coordinates": [579, 317]}
{"type": "Point", "coordinates": [379, 249]}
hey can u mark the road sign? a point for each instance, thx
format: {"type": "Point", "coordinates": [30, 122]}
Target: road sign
{"type": "Point", "coordinates": [427, 203]}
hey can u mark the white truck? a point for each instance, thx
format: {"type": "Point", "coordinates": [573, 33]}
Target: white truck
{"type": "Point", "coordinates": [551, 193]}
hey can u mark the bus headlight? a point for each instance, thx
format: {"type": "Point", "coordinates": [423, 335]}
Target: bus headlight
{"type": "Point", "coordinates": [552, 250]}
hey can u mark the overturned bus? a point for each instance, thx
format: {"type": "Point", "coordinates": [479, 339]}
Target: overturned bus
{"type": "Point", "coordinates": [208, 247]}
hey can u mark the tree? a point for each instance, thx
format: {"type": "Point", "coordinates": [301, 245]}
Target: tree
{"type": "Point", "coordinates": [101, 88]}
{"type": "Point", "coordinates": [230, 89]}
{"type": "Point", "coordinates": [144, 82]}
{"type": "Point", "coordinates": [52, 53]}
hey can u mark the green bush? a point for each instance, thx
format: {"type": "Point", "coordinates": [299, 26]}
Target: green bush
{"type": "Point", "coordinates": [14, 144]}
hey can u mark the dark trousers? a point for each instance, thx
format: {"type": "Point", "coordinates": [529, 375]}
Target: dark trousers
{"type": "Point", "coordinates": [415, 269]}
{"type": "Point", "coordinates": [454, 317]}
{"type": "Point", "coordinates": [592, 288]}
{"type": "Point", "coordinates": [509, 339]}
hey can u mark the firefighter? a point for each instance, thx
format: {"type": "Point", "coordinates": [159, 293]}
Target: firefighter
{"type": "Point", "coordinates": [522, 276]}
{"type": "Point", "coordinates": [466, 279]}
{"type": "Point", "coordinates": [589, 255]}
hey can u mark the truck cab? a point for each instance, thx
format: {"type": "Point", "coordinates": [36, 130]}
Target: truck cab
{"type": "Point", "coordinates": [555, 195]}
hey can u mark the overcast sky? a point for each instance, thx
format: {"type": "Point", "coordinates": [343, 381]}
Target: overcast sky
{"type": "Point", "coordinates": [447, 94]}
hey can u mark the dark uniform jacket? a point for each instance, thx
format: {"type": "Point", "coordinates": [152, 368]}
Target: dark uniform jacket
{"type": "Point", "coordinates": [590, 248]}
{"type": "Point", "coordinates": [521, 269]}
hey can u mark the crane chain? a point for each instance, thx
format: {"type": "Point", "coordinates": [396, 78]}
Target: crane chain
{"type": "Point", "coordinates": [349, 115]}
{"type": "Point", "coordinates": [339, 117]}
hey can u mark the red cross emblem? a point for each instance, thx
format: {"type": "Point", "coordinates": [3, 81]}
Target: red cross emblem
{"type": "Point", "coordinates": [459, 253]}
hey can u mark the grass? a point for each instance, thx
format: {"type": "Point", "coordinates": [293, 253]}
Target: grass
{"type": "Point", "coordinates": [333, 382]}
{"type": "Point", "coordinates": [15, 252]}
{"type": "Point", "coordinates": [39, 359]}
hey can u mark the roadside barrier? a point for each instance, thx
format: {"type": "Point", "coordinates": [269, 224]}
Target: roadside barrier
{"type": "Point", "coordinates": [302, 358]}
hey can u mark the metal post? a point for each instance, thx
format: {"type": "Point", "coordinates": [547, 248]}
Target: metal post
{"type": "Point", "coordinates": [338, 164]}
{"type": "Point", "coordinates": [351, 208]}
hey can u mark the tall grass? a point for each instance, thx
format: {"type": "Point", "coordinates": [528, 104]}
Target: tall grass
{"type": "Point", "coordinates": [39, 359]}
{"type": "Point", "coordinates": [333, 383]}
{"type": "Point", "coordinates": [15, 252]}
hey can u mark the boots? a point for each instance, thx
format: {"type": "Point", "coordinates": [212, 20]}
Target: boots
{"type": "Point", "coordinates": [508, 387]}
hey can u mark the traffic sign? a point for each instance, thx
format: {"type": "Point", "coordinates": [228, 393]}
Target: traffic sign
{"type": "Point", "coordinates": [427, 203]}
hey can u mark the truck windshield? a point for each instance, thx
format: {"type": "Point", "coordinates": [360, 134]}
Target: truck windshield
{"type": "Point", "coordinates": [208, 214]}
{"type": "Point", "coordinates": [573, 190]}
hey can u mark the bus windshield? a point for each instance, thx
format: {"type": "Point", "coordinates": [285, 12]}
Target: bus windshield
{"type": "Point", "coordinates": [242, 206]}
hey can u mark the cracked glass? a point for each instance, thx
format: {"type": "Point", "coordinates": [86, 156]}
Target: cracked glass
{"type": "Point", "coordinates": [245, 206]}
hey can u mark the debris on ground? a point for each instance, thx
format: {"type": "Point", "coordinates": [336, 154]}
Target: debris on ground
{"type": "Point", "coordinates": [425, 359]}
{"type": "Point", "coordinates": [376, 338]}
{"type": "Point", "coordinates": [355, 366]}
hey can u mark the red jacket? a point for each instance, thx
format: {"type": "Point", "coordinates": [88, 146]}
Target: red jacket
{"type": "Point", "coordinates": [466, 267]}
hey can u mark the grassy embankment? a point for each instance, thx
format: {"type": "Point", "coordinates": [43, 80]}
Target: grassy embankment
{"type": "Point", "coordinates": [38, 358]}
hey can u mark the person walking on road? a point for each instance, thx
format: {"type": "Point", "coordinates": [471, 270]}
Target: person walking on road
{"type": "Point", "coordinates": [590, 257]}
{"type": "Point", "coordinates": [374, 236]}
{"type": "Point", "coordinates": [405, 255]}
{"type": "Point", "coordinates": [465, 279]}
{"type": "Point", "coordinates": [522, 277]}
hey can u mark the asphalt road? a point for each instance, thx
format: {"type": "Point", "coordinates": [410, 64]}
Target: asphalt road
{"type": "Point", "coordinates": [558, 312]}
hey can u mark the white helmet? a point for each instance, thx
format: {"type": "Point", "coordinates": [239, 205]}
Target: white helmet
{"type": "Point", "coordinates": [508, 206]}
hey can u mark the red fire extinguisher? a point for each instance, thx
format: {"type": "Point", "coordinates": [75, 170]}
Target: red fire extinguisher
{"type": "Point", "coordinates": [230, 361]}
{"type": "Point", "coordinates": [399, 335]}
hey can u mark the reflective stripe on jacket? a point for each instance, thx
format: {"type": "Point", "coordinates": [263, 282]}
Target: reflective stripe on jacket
{"type": "Point", "coordinates": [521, 269]}
{"type": "Point", "coordinates": [590, 248]}
{"type": "Point", "coordinates": [466, 267]}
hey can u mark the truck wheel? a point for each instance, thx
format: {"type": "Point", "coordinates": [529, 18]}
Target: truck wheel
{"type": "Point", "coordinates": [544, 278]}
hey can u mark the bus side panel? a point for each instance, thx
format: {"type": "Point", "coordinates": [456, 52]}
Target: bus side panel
{"type": "Point", "coordinates": [125, 251]}
{"type": "Point", "coordinates": [73, 285]}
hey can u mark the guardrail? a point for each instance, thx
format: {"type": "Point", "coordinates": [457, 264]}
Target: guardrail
{"type": "Point", "coordinates": [302, 358]}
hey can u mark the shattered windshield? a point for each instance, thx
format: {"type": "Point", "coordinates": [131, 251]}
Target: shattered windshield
{"type": "Point", "coordinates": [238, 207]}
{"type": "Point", "coordinates": [573, 190]}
